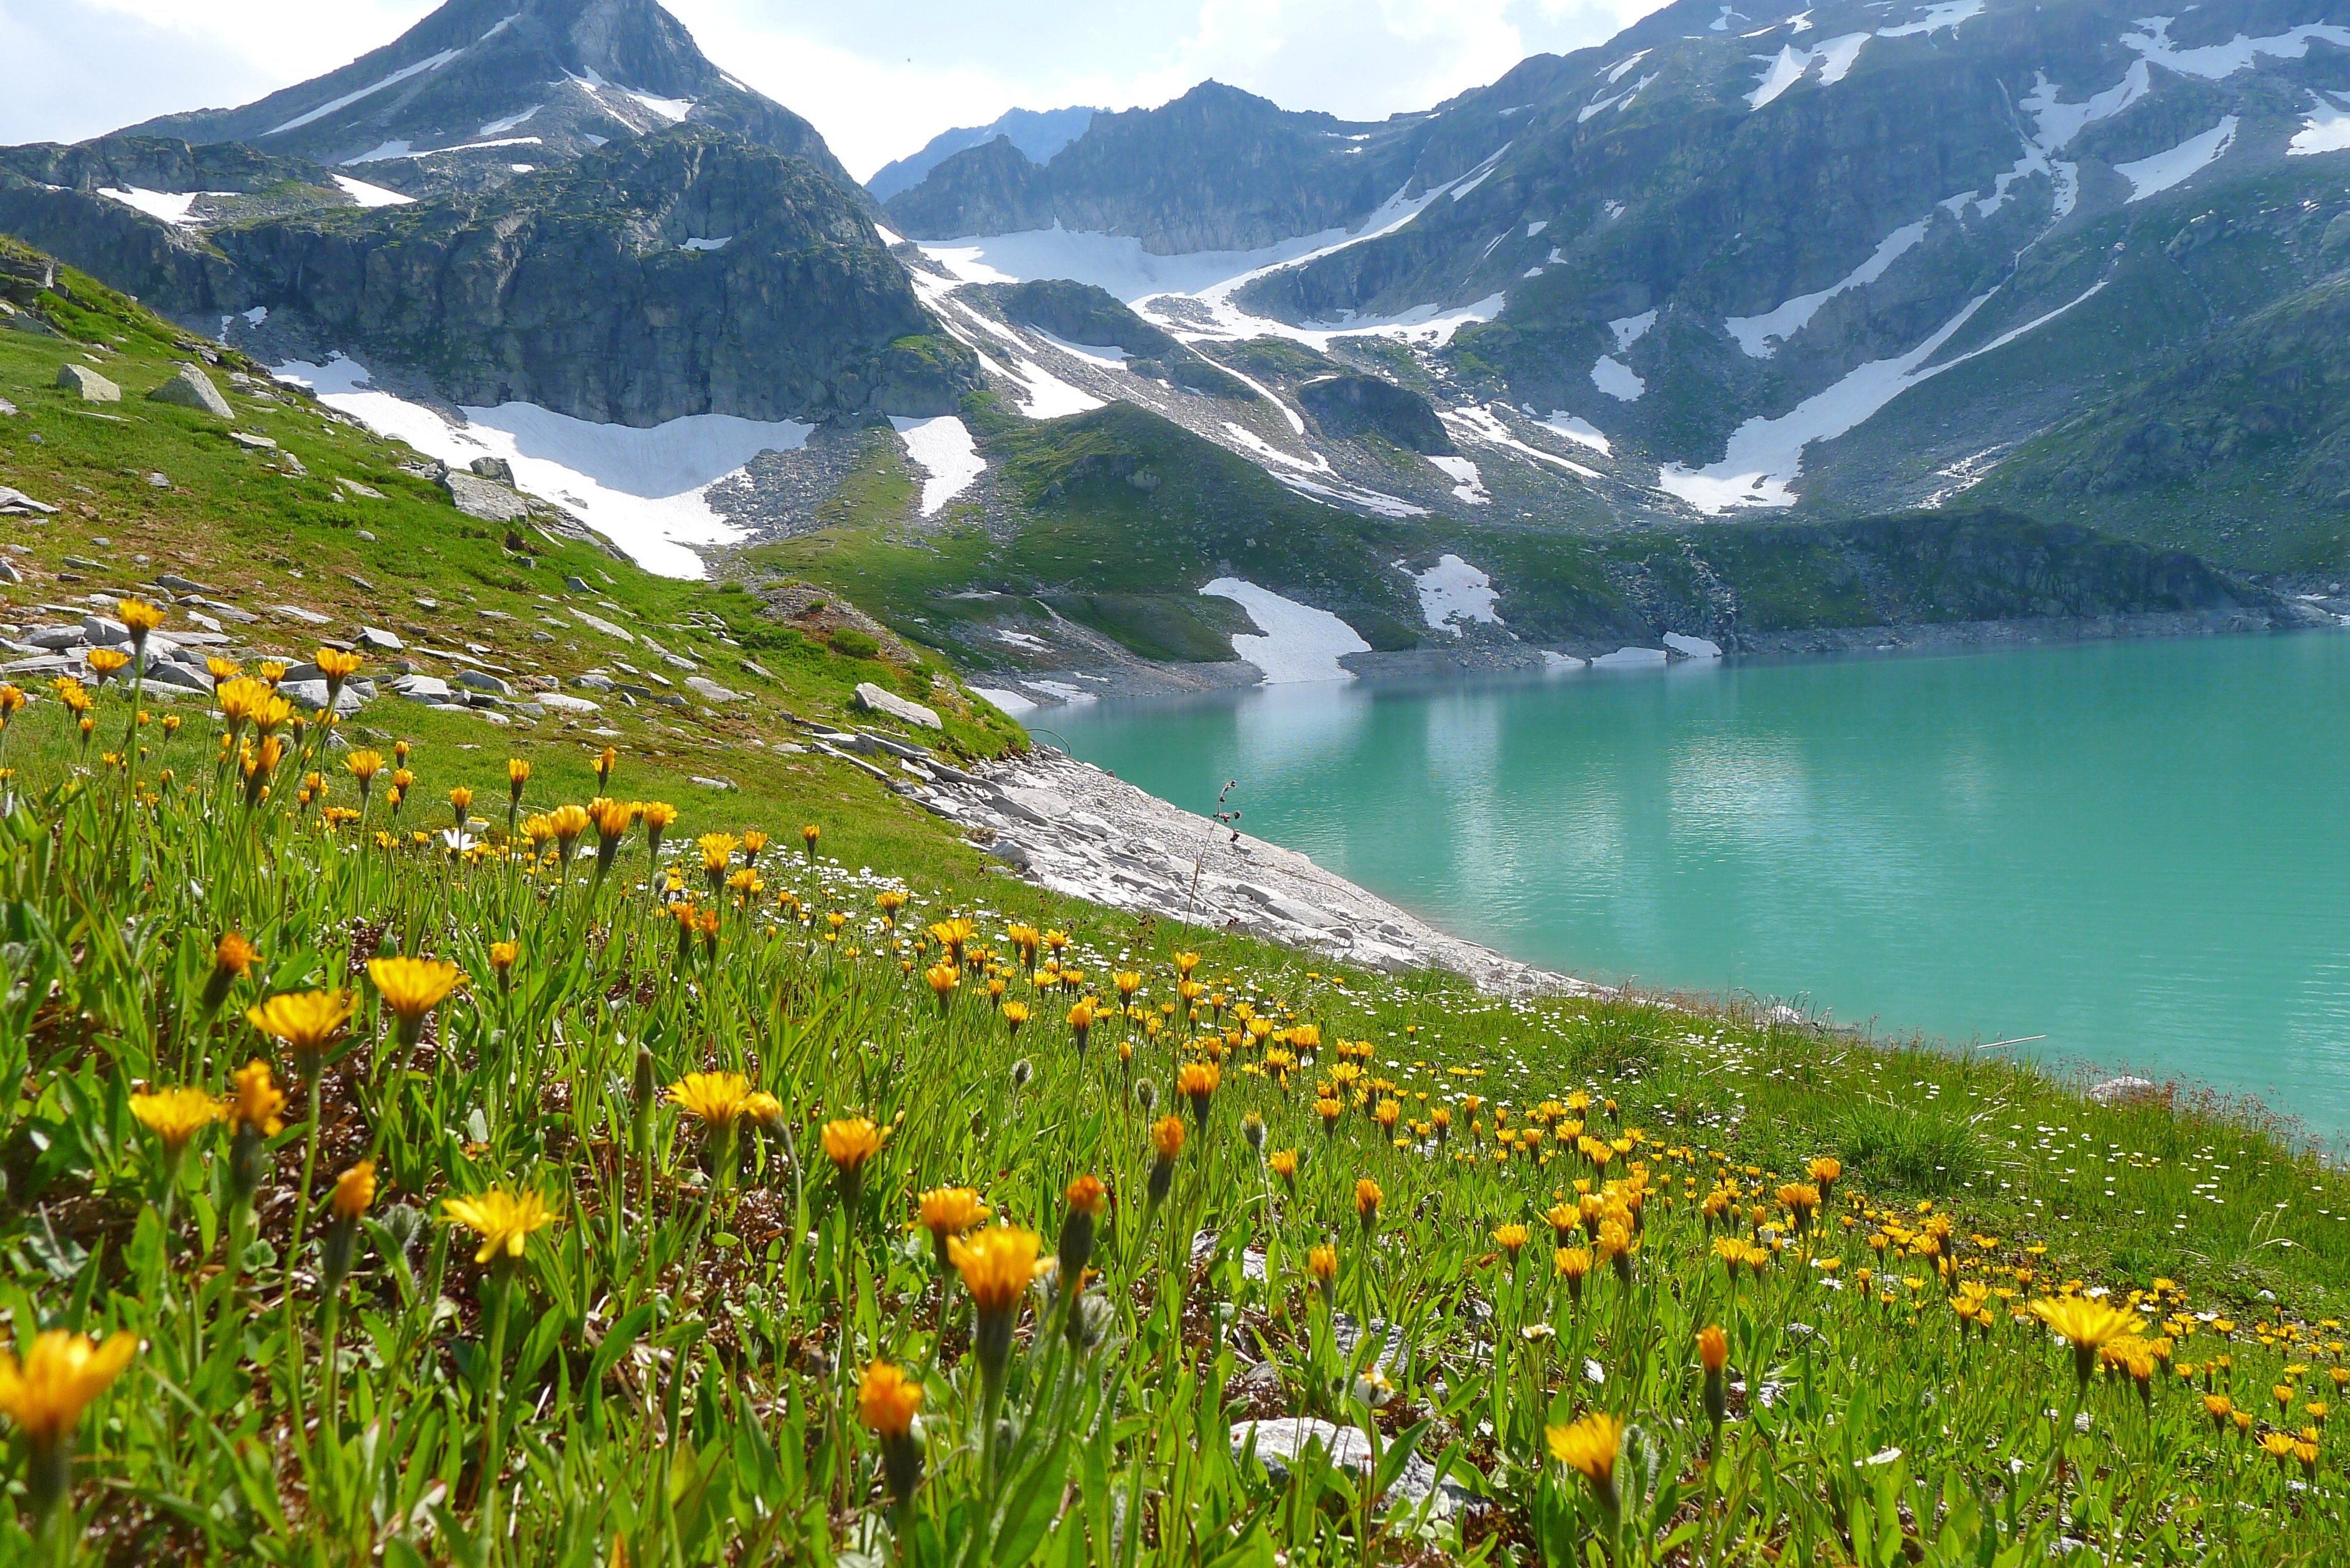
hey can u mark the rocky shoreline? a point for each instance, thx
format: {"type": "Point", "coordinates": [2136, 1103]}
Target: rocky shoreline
{"type": "Point", "coordinates": [1069, 826]}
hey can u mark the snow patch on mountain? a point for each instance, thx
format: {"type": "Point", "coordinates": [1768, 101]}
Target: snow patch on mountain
{"type": "Point", "coordinates": [499, 127]}
{"type": "Point", "coordinates": [1470, 422]}
{"type": "Point", "coordinates": [1790, 64]}
{"type": "Point", "coordinates": [1300, 643]}
{"type": "Point", "coordinates": [1950, 13]}
{"type": "Point", "coordinates": [1760, 335]}
{"type": "Point", "coordinates": [942, 449]}
{"type": "Point", "coordinates": [170, 206]}
{"type": "Point", "coordinates": [1580, 430]}
{"type": "Point", "coordinates": [1765, 455]}
{"type": "Point", "coordinates": [2214, 61]}
{"type": "Point", "coordinates": [2324, 129]}
{"type": "Point", "coordinates": [1468, 485]}
{"type": "Point", "coordinates": [644, 489]}
{"type": "Point", "coordinates": [1629, 329]}
{"type": "Point", "coordinates": [1617, 380]}
{"type": "Point", "coordinates": [368, 195]}
{"type": "Point", "coordinates": [1452, 592]}
{"type": "Point", "coordinates": [431, 62]}
{"type": "Point", "coordinates": [2149, 176]}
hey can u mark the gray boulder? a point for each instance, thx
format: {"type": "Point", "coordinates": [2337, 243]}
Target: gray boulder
{"type": "Point", "coordinates": [191, 388]}
{"type": "Point", "coordinates": [495, 468]}
{"type": "Point", "coordinates": [375, 639]}
{"type": "Point", "coordinates": [422, 689]}
{"type": "Point", "coordinates": [872, 699]}
{"type": "Point", "coordinates": [482, 681]}
{"type": "Point", "coordinates": [712, 691]}
{"type": "Point", "coordinates": [482, 498]}
{"type": "Point", "coordinates": [88, 384]}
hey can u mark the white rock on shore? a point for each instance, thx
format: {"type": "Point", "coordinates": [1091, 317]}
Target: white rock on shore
{"type": "Point", "coordinates": [1069, 826]}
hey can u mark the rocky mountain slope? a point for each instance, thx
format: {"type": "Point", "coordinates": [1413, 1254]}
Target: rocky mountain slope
{"type": "Point", "coordinates": [1838, 260]}
{"type": "Point", "coordinates": [1691, 334]}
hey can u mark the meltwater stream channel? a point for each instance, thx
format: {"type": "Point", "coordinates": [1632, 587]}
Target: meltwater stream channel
{"type": "Point", "coordinates": [2139, 850]}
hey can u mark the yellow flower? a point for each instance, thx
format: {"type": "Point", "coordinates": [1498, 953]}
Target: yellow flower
{"type": "Point", "coordinates": [308, 1022]}
{"type": "Point", "coordinates": [949, 1211]}
{"type": "Point", "coordinates": [1367, 1199]}
{"type": "Point", "coordinates": [338, 665]}
{"type": "Point", "coordinates": [502, 955]}
{"type": "Point", "coordinates": [888, 1401]}
{"type": "Point", "coordinates": [1589, 1447]}
{"type": "Point", "coordinates": [1511, 1238]}
{"type": "Point", "coordinates": [46, 1392]}
{"type": "Point", "coordinates": [2087, 1325]}
{"type": "Point", "coordinates": [255, 1102]}
{"type": "Point", "coordinates": [715, 1098]}
{"type": "Point", "coordinates": [413, 987]}
{"type": "Point", "coordinates": [517, 775]}
{"type": "Point", "coordinates": [354, 1191]}
{"type": "Point", "coordinates": [1166, 1137]}
{"type": "Point", "coordinates": [139, 616]}
{"type": "Point", "coordinates": [849, 1143]}
{"type": "Point", "coordinates": [717, 851]}
{"type": "Point", "coordinates": [1198, 1082]}
{"type": "Point", "coordinates": [107, 661]}
{"type": "Point", "coordinates": [996, 1263]}
{"type": "Point", "coordinates": [175, 1115]}
{"type": "Point", "coordinates": [1322, 1264]}
{"type": "Point", "coordinates": [566, 822]}
{"type": "Point", "coordinates": [503, 1221]}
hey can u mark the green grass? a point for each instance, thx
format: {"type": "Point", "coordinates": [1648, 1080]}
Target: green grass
{"type": "Point", "coordinates": [674, 1361]}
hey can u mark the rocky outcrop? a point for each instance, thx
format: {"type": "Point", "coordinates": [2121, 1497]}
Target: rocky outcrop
{"type": "Point", "coordinates": [1352, 406]}
{"type": "Point", "coordinates": [1071, 827]}
{"type": "Point", "coordinates": [682, 273]}
{"type": "Point", "coordinates": [990, 189]}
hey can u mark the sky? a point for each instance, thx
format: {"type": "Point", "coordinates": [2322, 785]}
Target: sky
{"type": "Point", "coordinates": [878, 78]}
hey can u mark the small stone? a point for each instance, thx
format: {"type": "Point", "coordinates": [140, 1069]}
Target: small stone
{"type": "Point", "coordinates": [577, 585]}
{"type": "Point", "coordinates": [710, 783]}
{"type": "Point", "coordinates": [252, 443]}
{"type": "Point", "coordinates": [481, 681]}
{"type": "Point", "coordinates": [712, 692]}
{"type": "Point", "coordinates": [422, 689]}
{"type": "Point", "coordinates": [180, 585]}
{"type": "Point", "coordinates": [159, 481]}
{"type": "Point", "coordinates": [562, 702]}
{"type": "Point", "coordinates": [191, 388]}
{"type": "Point", "coordinates": [872, 699]}
{"type": "Point", "coordinates": [375, 639]}
{"type": "Point", "coordinates": [593, 682]}
{"type": "Point", "coordinates": [91, 387]}
{"type": "Point", "coordinates": [297, 614]}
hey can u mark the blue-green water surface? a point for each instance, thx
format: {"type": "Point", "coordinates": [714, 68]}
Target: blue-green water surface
{"type": "Point", "coordinates": [2134, 849]}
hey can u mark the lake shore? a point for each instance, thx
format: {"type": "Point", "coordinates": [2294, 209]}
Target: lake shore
{"type": "Point", "coordinates": [1117, 675]}
{"type": "Point", "coordinates": [1078, 830]}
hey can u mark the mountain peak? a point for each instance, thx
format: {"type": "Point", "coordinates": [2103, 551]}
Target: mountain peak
{"type": "Point", "coordinates": [483, 88]}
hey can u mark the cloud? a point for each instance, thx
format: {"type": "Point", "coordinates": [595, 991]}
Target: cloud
{"type": "Point", "coordinates": [79, 68]}
{"type": "Point", "coordinates": [878, 79]}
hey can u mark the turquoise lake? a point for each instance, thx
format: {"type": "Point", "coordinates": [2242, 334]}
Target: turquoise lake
{"type": "Point", "coordinates": [2134, 849]}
